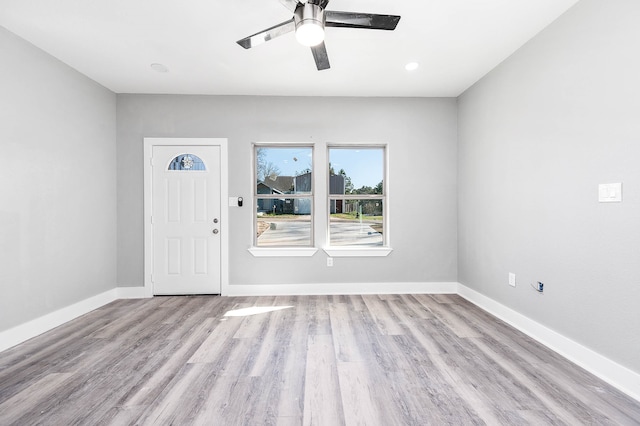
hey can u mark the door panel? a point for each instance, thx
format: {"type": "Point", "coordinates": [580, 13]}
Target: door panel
{"type": "Point", "coordinates": [185, 203]}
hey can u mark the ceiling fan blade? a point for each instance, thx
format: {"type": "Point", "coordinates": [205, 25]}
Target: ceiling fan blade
{"type": "Point", "coordinates": [290, 4]}
{"type": "Point", "coordinates": [321, 57]}
{"type": "Point", "coordinates": [361, 20]}
{"type": "Point", "coordinates": [268, 34]}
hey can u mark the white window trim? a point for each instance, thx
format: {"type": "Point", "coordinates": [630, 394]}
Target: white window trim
{"type": "Point", "coordinates": [362, 251]}
{"type": "Point", "coordinates": [283, 251]}
{"type": "Point", "coordinates": [358, 251]}
{"type": "Point", "coordinates": [320, 219]}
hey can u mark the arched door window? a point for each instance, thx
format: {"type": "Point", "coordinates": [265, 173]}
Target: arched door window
{"type": "Point", "coordinates": [187, 162]}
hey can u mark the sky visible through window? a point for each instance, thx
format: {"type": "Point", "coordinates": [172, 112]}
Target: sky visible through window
{"type": "Point", "coordinates": [363, 166]}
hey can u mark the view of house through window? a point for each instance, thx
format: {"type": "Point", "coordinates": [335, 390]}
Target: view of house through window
{"type": "Point", "coordinates": [284, 196]}
{"type": "Point", "coordinates": [357, 196]}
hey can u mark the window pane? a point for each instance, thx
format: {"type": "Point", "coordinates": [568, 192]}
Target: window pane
{"type": "Point", "coordinates": [362, 170]}
{"type": "Point", "coordinates": [281, 170]}
{"type": "Point", "coordinates": [283, 222]}
{"type": "Point", "coordinates": [356, 223]}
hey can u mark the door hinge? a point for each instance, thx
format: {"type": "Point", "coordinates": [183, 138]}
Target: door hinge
{"type": "Point", "coordinates": [152, 278]}
{"type": "Point", "coordinates": [151, 220]}
{"type": "Point", "coordinates": [151, 161]}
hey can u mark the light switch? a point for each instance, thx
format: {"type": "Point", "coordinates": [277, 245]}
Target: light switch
{"type": "Point", "coordinates": [233, 201]}
{"type": "Point", "coordinates": [610, 192]}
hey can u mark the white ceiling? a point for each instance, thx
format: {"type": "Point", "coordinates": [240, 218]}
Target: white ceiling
{"type": "Point", "coordinates": [114, 42]}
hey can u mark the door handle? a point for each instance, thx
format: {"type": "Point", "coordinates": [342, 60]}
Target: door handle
{"type": "Point", "coordinates": [215, 231]}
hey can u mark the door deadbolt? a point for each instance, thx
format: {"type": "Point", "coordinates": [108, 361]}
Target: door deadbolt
{"type": "Point", "coordinates": [215, 231]}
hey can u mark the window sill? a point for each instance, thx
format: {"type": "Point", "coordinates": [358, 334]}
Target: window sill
{"type": "Point", "coordinates": [283, 251]}
{"type": "Point", "coordinates": [358, 251]}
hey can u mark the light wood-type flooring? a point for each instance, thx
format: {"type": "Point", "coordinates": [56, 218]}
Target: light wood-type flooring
{"type": "Point", "coordinates": [312, 360]}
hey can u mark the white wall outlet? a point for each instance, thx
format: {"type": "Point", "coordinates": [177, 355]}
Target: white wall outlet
{"type": "Point", "coordinates": [610, 192]}
{"type": "Point", "coordinates": [329, 261]}
{"type": "Point", "coordinates": [512, 279]}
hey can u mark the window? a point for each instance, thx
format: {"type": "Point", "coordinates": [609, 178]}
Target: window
{"type": "Point", "coordinates": [284, 196]}
{"type": "Point", "coordinates": [353, 219]}
{"type": "Point", "coordinates": [357, 196]}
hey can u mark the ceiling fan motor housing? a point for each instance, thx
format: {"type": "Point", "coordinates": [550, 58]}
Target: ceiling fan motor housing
{"type": "Point", "coordinates": [309, 13]}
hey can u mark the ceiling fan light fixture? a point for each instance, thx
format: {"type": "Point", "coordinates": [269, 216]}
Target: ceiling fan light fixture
{"type": "Point", "coordinates": [310, 33]}
{"type": "Point", "coordinates": [309, 21]}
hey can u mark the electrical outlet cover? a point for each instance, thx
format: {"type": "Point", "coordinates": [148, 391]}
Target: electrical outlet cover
{"type": "Point", "coordinates": [512, 279]}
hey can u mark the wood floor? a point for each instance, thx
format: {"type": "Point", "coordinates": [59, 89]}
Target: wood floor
{"type": "Point", "coordinates": [321, 360]}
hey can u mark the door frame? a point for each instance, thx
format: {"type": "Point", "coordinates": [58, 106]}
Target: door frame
{"type": "Point", "coordinates": [149, 143]}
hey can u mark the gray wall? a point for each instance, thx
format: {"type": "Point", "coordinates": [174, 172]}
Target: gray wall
{"type": "Point", "coordinates": [536, 137]}
{"type": "Point", "coordinates": [58, 192]}
{"type": "Point", "coordinates": [421, 134]}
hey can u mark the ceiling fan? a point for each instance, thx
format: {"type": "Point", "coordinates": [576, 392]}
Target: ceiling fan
{"type": "Point", "coordinates": [309, 21]}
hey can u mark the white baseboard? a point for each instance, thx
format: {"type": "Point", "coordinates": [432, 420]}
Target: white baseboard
{"type": "Point", "coordinates": [35, 327]}
{"type": "Point", "coordinates": [345, 288]}
{"type": "Point", "coordinates": [626, 380]}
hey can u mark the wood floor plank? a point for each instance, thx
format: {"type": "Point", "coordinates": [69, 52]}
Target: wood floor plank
{"type": "Point", "coordinates": [230, 403]}
{"type": "Point", "coordinates": [411, 307]}
{"type": "Point", "coordinates": [158, 379]}
{"type": "Point", "coordinates": [322, 397]}
{"type": "Point", "coordinates": [356, 391]}
{"type": "Point", "coordinates": [291, 397]}
{"type": "Point", "coordinates": [344, 334]}
{"type": "Point", "coordinates": [228, 400]}
{"type": "Point", "coordinates": [182, 403]}
{"type": "Point", "coordinates": [452, 319]}
{"type": "Point", "coordinates": [127, 325]}
{"type": "Point", "coordinates": [319, 321]}
{"type": "Point", "coordinates": [553, 402]}
{"type": "Point", "coordinates": [95, 390]}
{"type": "Point", "coordinates": [383, 316]}
{"type": "Point", "coordinates": [217, 341]}
{"type": "Point", "coordinates": [29, 399]}
{"type": "Point", "coordinates": [416, 325]}
{"type": "Point", "coordinates": [276, 337]}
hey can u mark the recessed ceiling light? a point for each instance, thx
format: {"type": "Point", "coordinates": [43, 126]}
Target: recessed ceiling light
{"type": "Point", "coordinates": [159, 68]}
{"type": "Point", "coordinates": [411, 66]}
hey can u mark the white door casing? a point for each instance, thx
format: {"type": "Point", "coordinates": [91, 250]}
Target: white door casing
{"type": "Point", "coordinates": [185, 238]}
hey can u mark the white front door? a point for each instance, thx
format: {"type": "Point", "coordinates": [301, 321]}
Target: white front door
{"type": "Point", "coordinates": [185, 219]}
